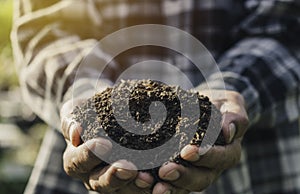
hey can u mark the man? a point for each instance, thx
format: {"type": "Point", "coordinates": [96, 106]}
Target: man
{"type": "Point", "coordinates": [257, 49]}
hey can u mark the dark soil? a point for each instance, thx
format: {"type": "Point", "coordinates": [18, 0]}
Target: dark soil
{"type": "Point", "coordinates": [98, 118]}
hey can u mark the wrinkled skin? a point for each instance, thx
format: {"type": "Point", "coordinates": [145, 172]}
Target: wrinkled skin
{"type": "Point", "coordinates": [208, 167]}
{"type": "Point", "coordinates": [122, 176]}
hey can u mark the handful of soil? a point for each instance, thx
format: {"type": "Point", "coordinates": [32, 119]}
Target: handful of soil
{"type": "Point", "coordinates": [144, 115]}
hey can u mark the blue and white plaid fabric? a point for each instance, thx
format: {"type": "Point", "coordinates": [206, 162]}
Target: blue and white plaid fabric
{"type": "Point", "coordinates": [255, 43]}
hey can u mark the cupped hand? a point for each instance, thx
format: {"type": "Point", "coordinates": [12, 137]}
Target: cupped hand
{"type": "Point", "coordinates": [83, 160]}
{"type": "Point", "coordinates": [206, 166]}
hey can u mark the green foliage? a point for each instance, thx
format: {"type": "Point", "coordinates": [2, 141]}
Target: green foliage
{"type": "Point", "coordinates": [8, 77]}
{"type": "Point", "coordinates": [5, 21]}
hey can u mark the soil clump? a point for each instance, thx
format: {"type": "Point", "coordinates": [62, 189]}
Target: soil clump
{"type": "Point", "coordinates": [153, 113]}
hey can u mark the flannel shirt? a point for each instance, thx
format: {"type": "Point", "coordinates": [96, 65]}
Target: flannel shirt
{"type": "Point", "coordinates": [255, 43]}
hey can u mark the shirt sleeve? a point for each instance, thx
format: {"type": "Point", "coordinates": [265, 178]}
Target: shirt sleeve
{"type": "Point", "coordinates": [264, 67]}
{"type": "Point", "coordinates": [267, 74]}
{"type": "Point", "coordinates": [49, 45]}
{"type": "Point", "coordinates": [275, 18]}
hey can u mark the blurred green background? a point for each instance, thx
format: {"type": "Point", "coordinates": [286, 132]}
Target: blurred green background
{"type": "Point", "coordinates": [21, 131]}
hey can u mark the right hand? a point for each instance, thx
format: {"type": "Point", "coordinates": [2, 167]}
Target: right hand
{"type": "Point", "coordinates": [80, 161]}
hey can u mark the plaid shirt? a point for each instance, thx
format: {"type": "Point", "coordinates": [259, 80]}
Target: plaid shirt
{"type": "Point", "coordinates": [256, 44]}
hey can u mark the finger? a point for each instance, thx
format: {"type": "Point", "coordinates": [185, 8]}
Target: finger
{"type": "Point", "coordinates": [84, 158]}
{"type": "Point", "coordinates": [234, 111]}
{"type": "Point", "coordinates": [191, 178]}
{"type": "Point", "coordinates": [71, 131]}
{"type": "Point", "coordinates": [133, 189]}
{"type": "Point", "coordinates": [68, 106]}
{"type": "Point", "coordinates": [114, 177]}
{"type": "Point", "coordinates": [144, 180]}
{"type": "Point", "coordinates": [232, 107]}
{"type": "Point", "coordinates": [190, 153]}
{"type": "Point", "coordinates": [162, 188]}
{"type": "Point", "coordinates": [229, 132]}
{"type": "Point", "coordinates": [233, 114]}
{"type": "Point", "coordinates": [141, 185]}
{"type": "Point", "coordinates": [222, 157]}
{"type": "Point", "coordinates": [166, 188]}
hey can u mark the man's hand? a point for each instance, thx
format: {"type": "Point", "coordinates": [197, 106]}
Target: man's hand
{"type": "Point", "coordinates": [81, 162]}
{"type": "Point", "coordinates": [207, 167]}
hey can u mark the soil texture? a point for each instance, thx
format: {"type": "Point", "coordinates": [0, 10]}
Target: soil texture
{"type": "Point", "coordinates": [145, 114]}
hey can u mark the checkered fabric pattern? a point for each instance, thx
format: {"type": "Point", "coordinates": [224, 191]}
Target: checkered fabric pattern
{"type": "Point", "coordinates": [48, 176]}
{"type": "Point", "coordinates": [255, 43]}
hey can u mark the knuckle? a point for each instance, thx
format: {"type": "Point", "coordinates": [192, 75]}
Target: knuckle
{"type": "Point", "coordinates": [66, 164]}
{"type": "Point", "coordinates": [243, 124]}
{"type": "Point", "coordinates": [94, 186]}
{"type": "Point", "coordinates": [100, 186]}
{"type": "Point", "coordinates": [208, 180]}
{"type": "Point", "coordinates": [235, 159]}
{"type": "Point", "coordinates": [106, 190]}
{"type": "Point", "coordinates": [72, 165]}
{"type": "Point", "coordinates": [80, 163]}
{"type": "Point", "coordinates": [245, 121]}
{"type": "Point", "coordinates": [192, 185]}
{"type": "Point", "coordinates": [237, 97]}
{"type": "Point", "coordinates": [86, 153]}
{"type": "Point", "coordinates": [105, 183]}
{"type": "Point", "coordinates": [69, 168]}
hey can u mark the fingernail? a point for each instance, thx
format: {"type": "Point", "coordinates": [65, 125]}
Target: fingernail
{"type": "Point", "coordinates": [124, 169]}
{"type": "Point", "coordinates": [190, 153]}
{"type": "Point", "coordinates": [70, 128]}
{"type": "Point", "coordinates": [141, 183]}
{"type": "Point", "coordinates": [232, 131]}
{"type": "Point", "coordinates": [172, 175]}
{"type": "Point", "coordinates": [123, 174]}
{"type": "Point", "coordinates": [72, 132]}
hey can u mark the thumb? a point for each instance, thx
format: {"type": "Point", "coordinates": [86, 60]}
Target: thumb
{"type": "Point", "coordinates": [71, 131]}
{"type": "Point", "coordinates": [235, 121]}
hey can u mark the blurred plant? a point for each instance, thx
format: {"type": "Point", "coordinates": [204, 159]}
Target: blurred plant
{"type": "Point", "coordinates": [5, 21]}
{"type": "Point", "coordinates": [19, 138]}
{"type": "Point", "coordinates": [8, 77]}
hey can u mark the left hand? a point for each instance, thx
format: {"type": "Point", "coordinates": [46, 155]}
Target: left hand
{"type": "Point", "coordinates": [80, 161]}
{"type": "Point", "coordinates": [206, 168]}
